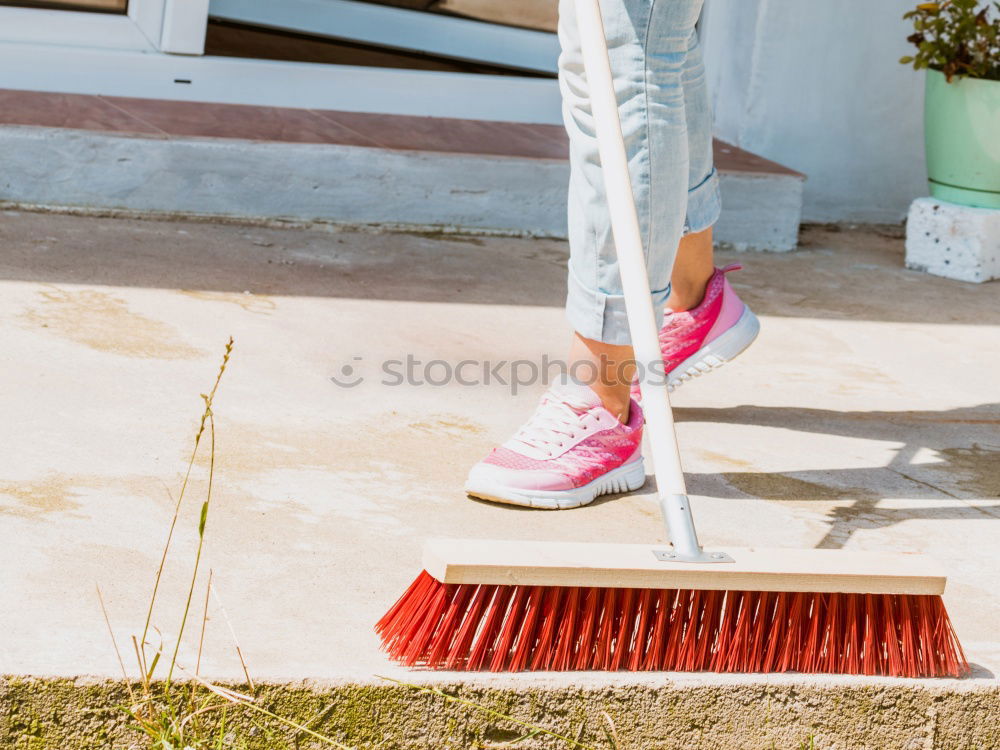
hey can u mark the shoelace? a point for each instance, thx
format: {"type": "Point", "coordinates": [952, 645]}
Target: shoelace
{"type": "Point", "coordinates": [556, 419]}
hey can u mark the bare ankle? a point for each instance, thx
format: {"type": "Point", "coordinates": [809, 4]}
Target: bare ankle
{"type": "Point", "coordinates": [687, 294]}
{"type": "Point", "coordinates": [610, 367]}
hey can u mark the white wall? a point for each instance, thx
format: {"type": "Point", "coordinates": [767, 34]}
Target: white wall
{"type": "Point", "coordinates": [817, 87]}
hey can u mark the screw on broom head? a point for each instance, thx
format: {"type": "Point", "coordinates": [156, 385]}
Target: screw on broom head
{"type": "Point", "coordinates": [530, 625]}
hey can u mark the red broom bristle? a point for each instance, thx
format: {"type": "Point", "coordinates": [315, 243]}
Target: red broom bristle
{"type": "Point", "coordinates": [633, 661]}
{"type": "Point", "coordinates": [547, 632]}
{"type": "Point", "coordinates": [779, 619]}
{"type": "Point", "coordinates": [463, 639]}
{"type": "Point", "coordinates": [566, 635]}
{"type": "Point", "coordinates": [508, 631]}
{"type": "Point", "coordinates": [515, 628]}
{"type": "Point", "coordinates": [605, 633]}
{"type": "Point", "coordinates": [813, 613]}
{"type": "Point", "coordinates": [495, 611]}
{"type": "Point", "coordinates": [656, 642]}
{"type": "Point", "coordinates": [526, 635]}
{"type": "Point", "coordinates": [623, 629]}
{"type": "Point", "coordinates": [588, 623]}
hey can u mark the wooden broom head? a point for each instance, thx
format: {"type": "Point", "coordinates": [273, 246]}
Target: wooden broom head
{"type": "Point", "coordinates": [483, 561]}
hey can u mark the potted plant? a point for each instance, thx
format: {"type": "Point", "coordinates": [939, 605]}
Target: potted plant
{"type": "Point", "coordinates": [958, 43]}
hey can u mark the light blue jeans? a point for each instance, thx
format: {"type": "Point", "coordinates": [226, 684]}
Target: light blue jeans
{"type": "Point", "coordinates": [667, 123]}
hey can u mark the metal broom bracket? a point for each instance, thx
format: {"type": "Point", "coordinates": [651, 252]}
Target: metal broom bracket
{"type": "Point", "coordinates": [668, 555]}
{"type": "Point", "coordinates": [676, 511]}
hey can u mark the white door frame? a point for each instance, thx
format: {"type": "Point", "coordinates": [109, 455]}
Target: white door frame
{"type": "Point", "coordinates": [147, 26]}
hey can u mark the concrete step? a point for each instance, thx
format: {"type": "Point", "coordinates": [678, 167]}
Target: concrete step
{"type": "Point", "coordinates": [654, 711]}
{"type": "Point", "coordinates": [189, 158]}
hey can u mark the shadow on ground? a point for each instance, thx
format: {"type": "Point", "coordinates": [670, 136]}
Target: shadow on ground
{"type": "Point", "coordinates": [969, 473]}
{"type": "Point", "coordinates": [840, 274]}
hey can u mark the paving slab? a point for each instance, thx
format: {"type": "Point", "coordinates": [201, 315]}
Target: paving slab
{"type": "Point", "coordinates": [867, 416]}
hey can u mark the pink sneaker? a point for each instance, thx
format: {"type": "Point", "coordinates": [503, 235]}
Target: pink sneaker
{"type": "Point", "coordinates": [700, 340]}
{"type": "Point", "coordinates": [569, 452]}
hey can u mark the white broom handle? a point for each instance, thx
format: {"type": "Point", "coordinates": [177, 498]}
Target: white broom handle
{"type": "Point", "coordinates": [632, 266]}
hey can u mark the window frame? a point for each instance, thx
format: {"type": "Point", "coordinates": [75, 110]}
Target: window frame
{"type": "Point", "coordinates": [141, 28]}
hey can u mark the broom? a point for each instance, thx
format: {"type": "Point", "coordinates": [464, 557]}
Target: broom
{"type": "Point", "coordinates": [512, 606]}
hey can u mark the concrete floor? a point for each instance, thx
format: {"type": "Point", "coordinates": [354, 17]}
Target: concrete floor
{"type": "Point", "coordinates": [867, 416]}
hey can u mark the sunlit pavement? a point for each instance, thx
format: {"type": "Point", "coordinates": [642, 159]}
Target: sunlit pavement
{"type": "Point", "coordinates": [867, 416]}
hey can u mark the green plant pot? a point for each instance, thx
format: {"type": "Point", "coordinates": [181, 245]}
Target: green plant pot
{"type": "Point", "coordinates": [962, 137]}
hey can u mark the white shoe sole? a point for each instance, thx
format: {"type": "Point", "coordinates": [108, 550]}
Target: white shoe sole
{"type": "Point", "coordinates": [712, 356]}
{"type": "Point", "coordinates": [625, 478]}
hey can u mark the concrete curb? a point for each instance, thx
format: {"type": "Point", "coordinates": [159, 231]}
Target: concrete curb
{"type": "Point", "coordinates": [73, 714]}
{"type": "Point", "coordinates": [957, 242]}
{"type": "Point", "coordinates": [57, 167]}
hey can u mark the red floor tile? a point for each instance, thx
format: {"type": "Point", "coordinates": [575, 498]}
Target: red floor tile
{"type": "Point", "coordinates": [239, 121]}
{"type": "Point", "coordinates": [53, 110]}
{"type": "Point", "coordinates": [451, 135]}
{"type": "Point", "coordinates": [730, 158]}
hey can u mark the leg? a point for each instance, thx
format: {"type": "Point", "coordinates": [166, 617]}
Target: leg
{"type": "Point", "coordinates": [708, 323]}
{"type": "Point", "coordinates": [695, 264]}
{"type": "Point", "coordinates": [648, 42]}
{"type": "Point", "coordinates": [611, 366]}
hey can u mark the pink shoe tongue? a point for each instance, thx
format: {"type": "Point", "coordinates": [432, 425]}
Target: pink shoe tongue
{"type": "Point", "coordinates": [576, 393]}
